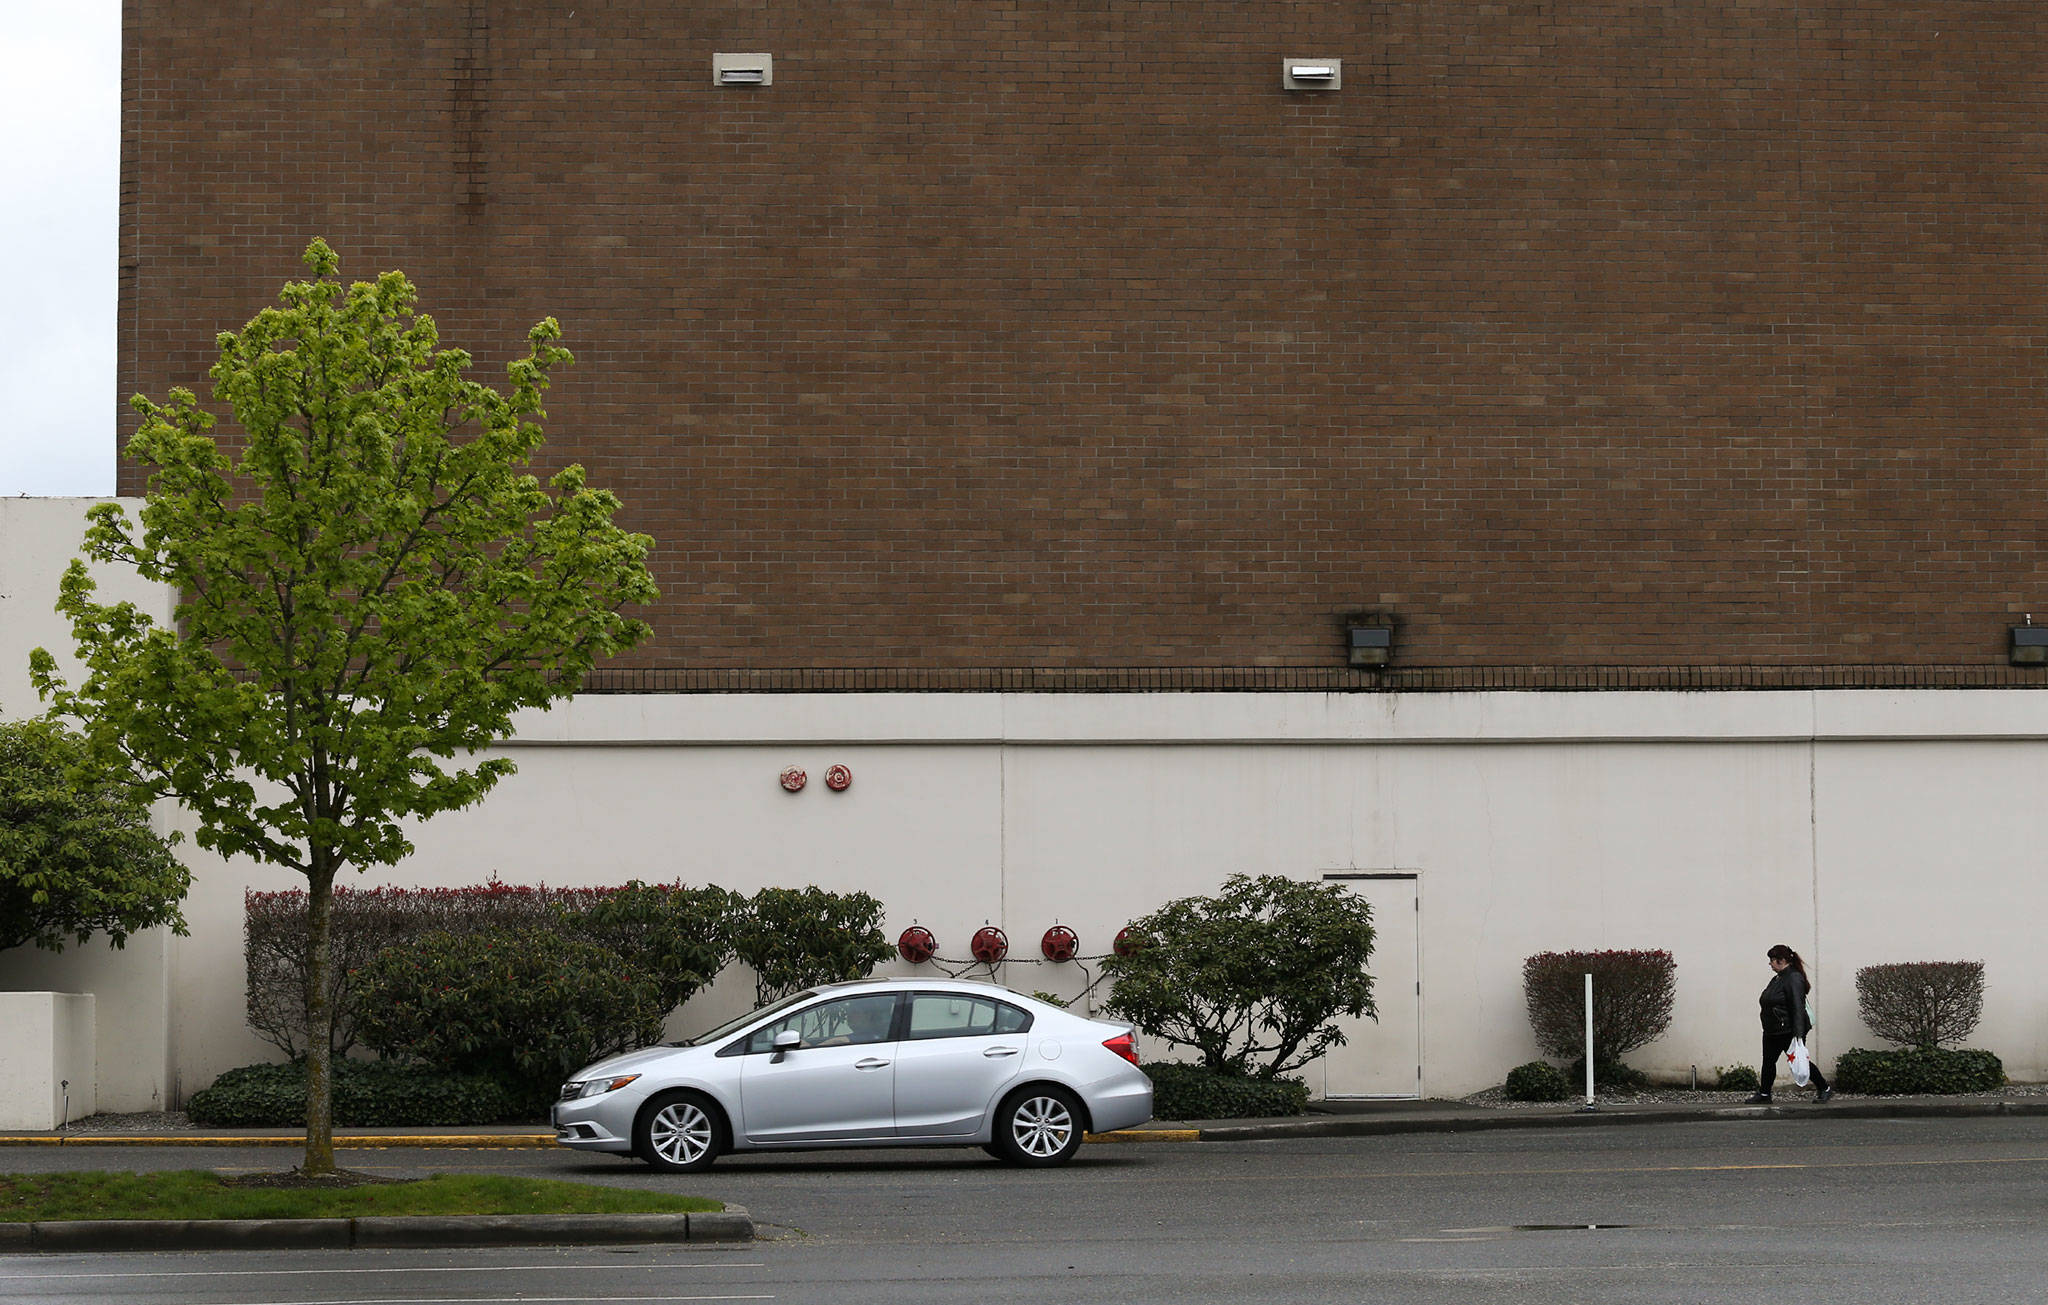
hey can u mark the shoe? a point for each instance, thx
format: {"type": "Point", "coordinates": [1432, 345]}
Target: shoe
{"type": "Point", "coordinates": [1759, 1099]}
{"type": "Point", "coordinates": [1824, 1096]}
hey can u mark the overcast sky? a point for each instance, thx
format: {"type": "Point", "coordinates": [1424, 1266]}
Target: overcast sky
{"type": "Point", "coordinates": [60, 98]}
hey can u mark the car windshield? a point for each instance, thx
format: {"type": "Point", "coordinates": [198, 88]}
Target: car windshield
{"type": "Point", "coordinates": [734, 1026]}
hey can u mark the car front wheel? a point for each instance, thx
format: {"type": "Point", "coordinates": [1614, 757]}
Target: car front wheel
{"type": "Point", "coordinates": [1038, 1127]}
{"type": "Point", "coordinates": [679, 1133]}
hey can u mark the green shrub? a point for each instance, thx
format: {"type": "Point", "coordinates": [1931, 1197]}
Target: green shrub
{"type": "Point", "coordinates": [799, 937]}
{"type": "Point", "coordinates": [1539, 1080]}
{"type": "Point", "coordinates": [367, 1094]}
{"type": "Point", "coordinates": [527, 1005]}
{"type": "Point", "coordinates": [1919, 1069]}
{"type": "Point", "coordinates": [679, 936]}
{"type": "Point", "coordinates": [1921, 1003]}
{"type": "Point", "coordinates": [1193, 1092]}
{"type": "Point", "coordinates": [1737, 1078]}
{"type": "Point", "coordinates": [1252, 978]}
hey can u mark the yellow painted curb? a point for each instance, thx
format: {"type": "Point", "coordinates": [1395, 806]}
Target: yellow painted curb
{"type": "Point", "coordinates": [464, 1141]}
{"type": "Point", "coordinates": [1149, 1135]}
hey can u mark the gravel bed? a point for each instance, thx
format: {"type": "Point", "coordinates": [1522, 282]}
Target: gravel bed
{"type": "Point", "coordinates": [1495, 1098]}
{"type": "Point", "coordinates": [144, 1121]}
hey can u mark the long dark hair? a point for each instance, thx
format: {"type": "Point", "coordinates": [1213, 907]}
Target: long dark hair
{"type": "Point", "coordinates": [1783, 953]}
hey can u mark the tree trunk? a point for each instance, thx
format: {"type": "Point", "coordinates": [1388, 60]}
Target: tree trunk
{"type": "Point", "coordinates": [319, 1021]}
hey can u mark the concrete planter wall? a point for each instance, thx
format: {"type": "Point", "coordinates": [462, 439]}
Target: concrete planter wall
{"type": "Point", "coordinates": [46, 1056]}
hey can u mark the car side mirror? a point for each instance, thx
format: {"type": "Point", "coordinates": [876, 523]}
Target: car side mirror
{"type": "Point", "coordinates": [787, 1040]}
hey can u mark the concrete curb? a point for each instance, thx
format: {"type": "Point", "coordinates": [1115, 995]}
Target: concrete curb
{"type": "Point", "coordinates": [1328, 1126]}
{"type": "Point", "coordinates": [382, 1232]}
{"type": "Point", "coordinates": [1472, 1121]}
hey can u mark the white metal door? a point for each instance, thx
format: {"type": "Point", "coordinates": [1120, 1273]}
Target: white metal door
{"type": "Point", "coordinates": [1383, 1058]}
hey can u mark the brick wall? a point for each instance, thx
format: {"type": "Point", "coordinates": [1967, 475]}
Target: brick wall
{"type": "Point", "coordinates": [1050, 334]}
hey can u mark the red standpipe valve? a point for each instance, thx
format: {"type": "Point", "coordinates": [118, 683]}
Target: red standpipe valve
{"type": "Point", "coordinates": [1060, 943]}
{"type": "Point", "coordinates": [990, 945]}
{"type": "Point", "coordinates": [917, 945]}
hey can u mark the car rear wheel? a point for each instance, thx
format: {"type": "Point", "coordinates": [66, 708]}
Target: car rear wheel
{"type": "Point", "coordinates": [679, 1132]}
{"type": "Point", "coordinates": [1038, 1126]}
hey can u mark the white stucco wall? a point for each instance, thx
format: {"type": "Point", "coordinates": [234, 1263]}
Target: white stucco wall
{"type": "Point", "coordinates": [1858, 827]}
{"type": "Point", "coordinates": [46, 1059]}
{"type": "Point", "coordinates": [38, 539]}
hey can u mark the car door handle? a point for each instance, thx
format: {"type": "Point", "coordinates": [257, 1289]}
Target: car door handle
{"type": "Point", "coordinates": [995, 1052]}
{"type": "Point", "coordinates": [870, 1063]}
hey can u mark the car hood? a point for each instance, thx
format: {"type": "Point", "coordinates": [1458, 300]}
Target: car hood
{"type": "Point", "coordinates": [631, 1062]}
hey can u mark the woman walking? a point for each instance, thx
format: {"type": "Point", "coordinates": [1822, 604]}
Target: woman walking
{"type": "Point", "coordinates": [1784, 1016]}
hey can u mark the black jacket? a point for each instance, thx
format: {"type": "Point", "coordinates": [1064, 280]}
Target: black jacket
{"type": "Point", "coordinates": [1784, 1005]}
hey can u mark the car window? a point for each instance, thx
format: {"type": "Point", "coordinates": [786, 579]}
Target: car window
{"type": "Point", "coordinates": [846, 1022]}
{"type": "Point", "coordinates": [957, 1015]}
{"type": "Point", "coordinates": [733, 1026]}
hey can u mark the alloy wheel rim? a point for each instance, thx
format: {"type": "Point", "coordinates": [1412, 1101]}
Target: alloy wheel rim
{"type": "Point", "coordinates": [1042, 1127]}
{"type": "Point", "coordinates": [681, 1133]}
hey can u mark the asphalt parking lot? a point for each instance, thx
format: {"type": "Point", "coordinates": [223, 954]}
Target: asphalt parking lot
{"type": "Point", "coordinates": [1865, 1210]}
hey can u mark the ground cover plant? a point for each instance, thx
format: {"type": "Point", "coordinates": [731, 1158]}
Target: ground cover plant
{"type": "Point", "coordinates": [1194, 1092]}
{"type": "Point", "coordinates": [367, 1094]}
{"type": "Point", "coordinates": [201, 1194]}
{"type": "Point", "coordinates": [1931, 1070]}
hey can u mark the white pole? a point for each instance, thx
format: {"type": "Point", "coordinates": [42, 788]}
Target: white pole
{"type": "Point", "coordinates": [1589, 1041]}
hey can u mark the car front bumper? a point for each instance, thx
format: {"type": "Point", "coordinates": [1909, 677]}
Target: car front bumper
{"type": "Point", "coordinates": [588, 1126]}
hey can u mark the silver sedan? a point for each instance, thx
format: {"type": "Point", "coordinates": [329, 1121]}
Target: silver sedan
{"type": "Point", "coordinates": [881, 1062]}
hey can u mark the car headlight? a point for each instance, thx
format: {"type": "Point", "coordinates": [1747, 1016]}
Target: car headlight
{"type": "Point", "coordinates": [595, 1087]}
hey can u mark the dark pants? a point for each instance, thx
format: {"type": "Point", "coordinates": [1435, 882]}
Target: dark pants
{"type": "Point", "coordinates": [1775, 1046]}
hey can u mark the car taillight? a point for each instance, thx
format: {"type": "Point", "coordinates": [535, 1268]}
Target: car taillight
{"type": "Point", "coordinates": [1123, 1044]}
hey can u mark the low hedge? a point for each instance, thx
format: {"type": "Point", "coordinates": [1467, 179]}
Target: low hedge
{"type": "Point", "coordinates": [367, 1094]}
{"type": "Point", "coordinates": [1539, 1080]}
{"type": "Point", "coordinates": [1918, 1070]}
{"type": "Point", "coordinates": [1192, 1092]}
{"type": "Point", "coordinates": [1737, 1078]}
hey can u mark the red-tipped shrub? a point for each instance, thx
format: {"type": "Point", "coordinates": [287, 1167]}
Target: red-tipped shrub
{"type": "Point", "coordinates": [1921, 1003]}
{"type": "Point", "coordinates": [1633, 992]}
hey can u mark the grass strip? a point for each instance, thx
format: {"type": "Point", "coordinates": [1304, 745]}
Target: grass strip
{"type": "Point", "coordinates": [201, 1194]}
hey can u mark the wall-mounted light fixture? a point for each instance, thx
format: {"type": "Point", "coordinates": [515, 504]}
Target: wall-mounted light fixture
{"type": "Point", "coordinates": [742, 70]}
{"type": "Point", "coordinates": [2030, 644]}
{"type": "Point", "coordinates": [1370, 645]}
{"type": "Point", "coordinates": [1311, 74]}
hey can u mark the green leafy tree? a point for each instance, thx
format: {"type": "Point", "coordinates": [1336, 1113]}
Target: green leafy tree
{"type": "Point", "coordinates": [1253, 977]}
{"type": "Point", "coordinates": [368, 591]}
{"type": "Point", "coordinates": [798, 937]}
{"type": "Point", "coordinates": [77, 853]}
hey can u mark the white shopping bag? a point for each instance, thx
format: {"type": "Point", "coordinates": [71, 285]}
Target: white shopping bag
{"type": "Point", "coordinates": [1796, 1060]}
